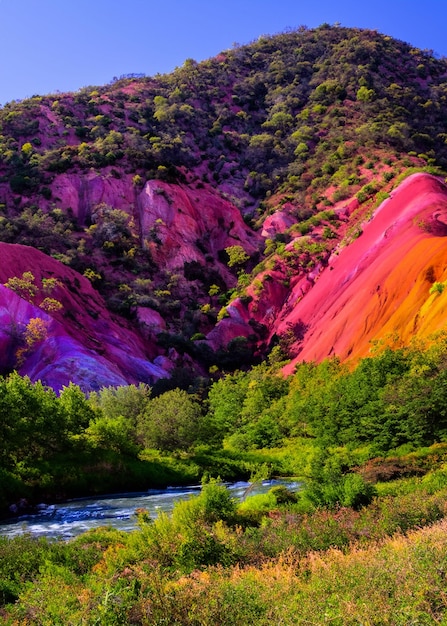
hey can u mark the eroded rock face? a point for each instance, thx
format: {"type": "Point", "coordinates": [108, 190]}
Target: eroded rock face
{"type": "Point", "coordinates": [378, 288]}
{"type": "Point", "coordinates": [81, 342]}
{"type": "Point", "coordinates": [80, 193]}
{"type": "Point", "coordinates": [183, 228]}
{"type": "Point", "coordinates": [180, 224]}
{"type": "Point", "coordinates": [190, 223]}
{"type": "Point", "coordinates": [176, 224]}
{"type": "Point", "coordinates": [375, 289]}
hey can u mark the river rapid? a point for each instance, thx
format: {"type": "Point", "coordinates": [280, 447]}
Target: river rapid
{"type": "Point", "coordinates": [68, 519]}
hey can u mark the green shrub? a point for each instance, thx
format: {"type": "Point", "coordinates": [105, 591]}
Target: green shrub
{"type": "Point", "coordinates": [259, 503]}
{"type": "Point", "coordinates": [356, 492]}
{"type": "Point", "coordinates": [437, 287]}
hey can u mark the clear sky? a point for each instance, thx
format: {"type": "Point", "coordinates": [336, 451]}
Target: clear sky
{"type": "Point", "coordinates": [63, 45]}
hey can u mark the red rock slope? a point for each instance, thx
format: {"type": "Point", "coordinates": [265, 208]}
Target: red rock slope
{"type": "Point", "coordinates": [378, 288]}
{"type": "Point", "coordinates": [82, 342]}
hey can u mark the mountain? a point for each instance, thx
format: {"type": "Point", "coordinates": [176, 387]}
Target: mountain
{"type": "Point", "coordinates": [288, 192]}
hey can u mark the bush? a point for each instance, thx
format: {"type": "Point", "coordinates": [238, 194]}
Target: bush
{"type": "Point", "coordinates": [356, 492]}
{"type": "Point", "coordinates": [437, 287]}
{"type": "Point", "coordinates": [329, 485]}
{"type": "Point", "coordinates": [216, 502]}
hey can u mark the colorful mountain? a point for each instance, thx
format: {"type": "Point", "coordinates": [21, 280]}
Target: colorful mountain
{"type": "Point", "coordinates": [263, 197]}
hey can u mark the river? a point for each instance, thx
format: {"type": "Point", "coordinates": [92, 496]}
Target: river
{"type": "Point", "coordinates": [68, 519]}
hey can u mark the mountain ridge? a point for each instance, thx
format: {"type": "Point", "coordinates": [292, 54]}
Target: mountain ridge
{"type": "Point", "coordinates": [205, 207]}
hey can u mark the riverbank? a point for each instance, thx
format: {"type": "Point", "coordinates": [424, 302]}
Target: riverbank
{"type": "Point", "coordinates": [215, 562]}
{"type": "Point", "coordinates": [105, 472]}
{"type": "Point", "coordinates": [69, 519]}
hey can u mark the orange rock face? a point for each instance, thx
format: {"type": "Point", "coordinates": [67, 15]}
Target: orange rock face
{"type": "Point", "coordinates": [378, 288]}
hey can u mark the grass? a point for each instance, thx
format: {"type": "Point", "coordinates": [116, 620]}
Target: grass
{"type": "Point", "coordinates": [399, 582]}
{"type": "Point", "coordinates": [262, 563]}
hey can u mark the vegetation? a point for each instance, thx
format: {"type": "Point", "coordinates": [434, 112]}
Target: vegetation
{"type": "Point", "coordinates": [390, 400]}
{"type": "Point", "coordinates": [368, 444]}
{"type": "Point", "coordinates": [214, 561]}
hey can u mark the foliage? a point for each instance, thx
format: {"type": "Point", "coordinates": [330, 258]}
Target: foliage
{"type": "Point", "coordinates": [23, 285]}
{"type": "Point", "coordinates": [393, 399]}
{"type": "Point", "coordinates": [236, 255]}
{"type": "Point", "coordinates": [242, 408]}
{"type": "Point", "coordinates": [437, 287]}
{"type": "Point", "coordinates": [36, 331]}
{"type": "Point", "coordinates": [171, 421]}
{"type": "Point", "coordinates": [208, 561]}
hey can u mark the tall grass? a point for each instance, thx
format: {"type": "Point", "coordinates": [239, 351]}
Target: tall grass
{"type": "Point", "coordinates": [210, 563]}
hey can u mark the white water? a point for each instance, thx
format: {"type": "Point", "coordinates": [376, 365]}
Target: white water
{"type": "Point", "coordinates": [66, 520]}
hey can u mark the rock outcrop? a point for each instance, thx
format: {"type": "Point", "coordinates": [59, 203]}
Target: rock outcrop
{"type": "Point", "coordinates": [81, 342]}
{"type": "Point", "coordinates": [378, 288]}
{"type": "Point", "coordinates": [191, 223]}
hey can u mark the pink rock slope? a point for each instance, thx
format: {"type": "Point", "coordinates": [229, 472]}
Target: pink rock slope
{"type": "Point", "coordinates": [82, 342]}
{"type": "Point", "coordinates": [378, 288]}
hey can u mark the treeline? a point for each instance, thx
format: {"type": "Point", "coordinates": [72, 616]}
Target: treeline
{"type": "Point", "coordinates": [56, 446]}
{"type": "Point", "coordinates": [395, 398]}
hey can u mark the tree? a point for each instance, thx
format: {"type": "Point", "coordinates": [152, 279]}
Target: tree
{"type": "Point", "coordinates": [171, 421]}
{"type": "Point", "coordinates": [237, 255]}
{"type": "Point", "coordinates": [113, 433]}
{"type": "Point", "coordinates": [76, 409]}
{"type": "Point", "coordinates": [128, 401]}
{"type": "Point", "coordinates": [27, 150]}
{"type": "Point", "coordinates": [225, 401]}
{"type": "Point", "coordinates": [25, 286]}
{"type": "Point", "coordinates": [32, 425]}
{"type": "Point", "coordinates": [330, 483]}
{"type": "Point", "coordinates": [364, 94]}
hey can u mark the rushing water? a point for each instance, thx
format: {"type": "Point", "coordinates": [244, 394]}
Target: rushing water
{"type": "Point", "coordinates": [66, 520]}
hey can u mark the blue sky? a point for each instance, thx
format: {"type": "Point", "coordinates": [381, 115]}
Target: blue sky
{"type": "Point", "coordinates": [63, 45]}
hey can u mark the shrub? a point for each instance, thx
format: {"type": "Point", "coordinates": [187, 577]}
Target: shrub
{"type": "Point", "coordinates": [236, 255]}
{"type": "Point", "coordinates": [437, 287]}
{"type": "Point", "coordinates": [356, 492]}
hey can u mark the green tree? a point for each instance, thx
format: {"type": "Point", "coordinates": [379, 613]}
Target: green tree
{"type": "Point", "coordinates": [236, 255]}
{"type": "Point", "coordinates": [113, 433]}
{"type": "Point", "coordinates": [172, 421]}
{"type": "Point", "coordinates": [76, 409]}
{"type": "Point", "coordinates": [32, 426]}
{"type": "Point", "coordinates": [329, 483]}
{"type": "Point", "coordinates": [225, 401]}
{"type": "Point", "coordinates": [128, 401]}
{"type": "Point", "coordinates": [364, 94]}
